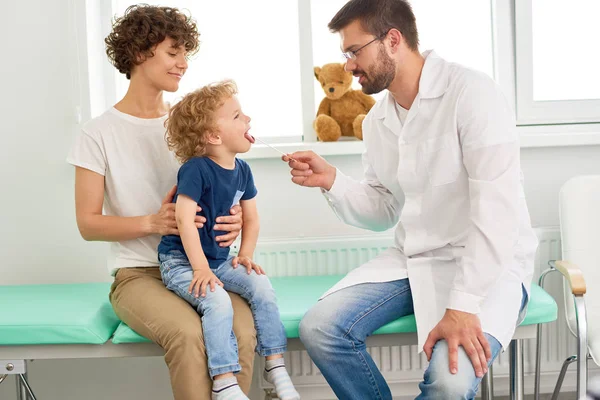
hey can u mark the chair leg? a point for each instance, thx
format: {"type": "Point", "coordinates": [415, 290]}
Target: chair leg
{"type": "Point", "coordinates": [517, 390]}
{"type": "Point", "coordinates": [582, 348]}
{"type": "Point", "coordinates": [25, 386]}
{"type": "Point", "coordinates": [487, 385]}
{"type": "Point", "coordinates": [538, 363]}
{"type": "Point", "coordinates": [24, 391]}
{"type": "Point", "coordinates": [561, 376]}
{"type": "Point", "coordinates": [21, 391]}
{"type": "Point", "coordinates": [581, 356]}
{"type": "Point", "coordinates": [538, 341]}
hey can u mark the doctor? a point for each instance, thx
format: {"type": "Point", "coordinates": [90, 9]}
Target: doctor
{"type": "Point", "coordinates": [441, 164]}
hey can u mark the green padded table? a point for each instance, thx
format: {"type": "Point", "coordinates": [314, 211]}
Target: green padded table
{"type": "Point", "coordinates": [296, 294]}
{"type": "Point", "coordinates": [56, 314]}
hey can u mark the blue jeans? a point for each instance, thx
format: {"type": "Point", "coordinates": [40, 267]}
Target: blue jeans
{"type": "Point", "coordinates": [334, 333]}
{"type": "Point", "coordinates": [217, 313]}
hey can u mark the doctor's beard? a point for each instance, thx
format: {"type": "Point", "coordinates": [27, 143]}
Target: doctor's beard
{"type": "Point", "coordinates": [381, 75]}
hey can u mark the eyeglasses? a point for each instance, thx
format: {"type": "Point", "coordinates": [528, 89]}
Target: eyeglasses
{"type": "Point", "coordinates": [352, 54]}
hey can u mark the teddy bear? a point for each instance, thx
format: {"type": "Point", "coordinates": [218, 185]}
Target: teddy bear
{"type": "Point", "coordinates": [343, 110]}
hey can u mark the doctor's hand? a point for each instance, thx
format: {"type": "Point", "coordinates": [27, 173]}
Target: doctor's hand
{"type": "Point", "coordinates": [461, 329]}
{"type": "Point", "coordinates": [310, 169]}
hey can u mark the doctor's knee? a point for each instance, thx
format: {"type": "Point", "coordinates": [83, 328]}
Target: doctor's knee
{"type": "Point", "coordinates": [317, 329]}
{"type": "Point", "coordinates": [440, 383]}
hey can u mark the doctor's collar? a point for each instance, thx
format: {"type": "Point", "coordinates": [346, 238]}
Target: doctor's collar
{"type": "Point", "coordinates": [434, 76]}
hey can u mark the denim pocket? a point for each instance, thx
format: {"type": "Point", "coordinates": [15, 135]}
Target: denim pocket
{"type": "Point", "coordinates": [171, 265]}
{"type": "Point", "coordinates": [172, 259]}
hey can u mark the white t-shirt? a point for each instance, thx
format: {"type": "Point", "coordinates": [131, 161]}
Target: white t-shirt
{"type": "Point", "coordinates": [138, 168]}
{"type": "Point", "coordinates": [401, 112]}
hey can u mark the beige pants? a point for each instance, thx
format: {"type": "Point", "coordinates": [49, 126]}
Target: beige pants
{"type": "Point", "coordinates": [141, 300]}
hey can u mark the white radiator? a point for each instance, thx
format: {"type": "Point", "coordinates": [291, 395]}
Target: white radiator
{"type": "Point", "coordinates": [402, 366]}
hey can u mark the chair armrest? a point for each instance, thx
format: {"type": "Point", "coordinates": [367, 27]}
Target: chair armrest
{"type": "Point", "coordinates": [574, 275]}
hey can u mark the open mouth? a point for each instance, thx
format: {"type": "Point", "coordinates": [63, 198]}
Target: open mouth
{"type": "Point", "coordinates": [249, 137]}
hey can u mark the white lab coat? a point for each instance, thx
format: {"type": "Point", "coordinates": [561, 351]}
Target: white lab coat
{"type": "Point", "coordinates": [451, 177]}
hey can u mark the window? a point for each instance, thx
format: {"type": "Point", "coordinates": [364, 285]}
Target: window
{"type": "Point", "coordinates": [541, 52]}
{"type": "Point", "coordinates": [260, 53]}
{"type": "Point", "coordinates": [557, 61]}
{"type": "Point", "coordinates": [326, 45]}
{"type": "Point", "coordinates": [253, 51]}
{"type": "Point", "coordinates": [441, 27]}
{"type": "Point", "coordinates": [457, 35]}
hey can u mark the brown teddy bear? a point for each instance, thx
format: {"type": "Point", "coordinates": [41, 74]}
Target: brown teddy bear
{"type": "Point", "coordinates": [343, 110]}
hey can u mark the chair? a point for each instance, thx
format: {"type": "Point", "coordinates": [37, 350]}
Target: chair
{"type": "Point", "coordinates": [579, 210]}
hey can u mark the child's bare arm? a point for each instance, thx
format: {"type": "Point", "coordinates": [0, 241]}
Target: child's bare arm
{"type": "Point", "coordinates": [250, 231]}
{"type": "Point", "coordinates": [185, 213]}
{"type": "Point", "coordinates": [250, 228]}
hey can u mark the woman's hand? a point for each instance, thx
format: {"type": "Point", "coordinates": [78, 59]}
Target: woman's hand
{"type": "Point", "coordinates": [164, 223]}
{"type": "Point", "coordinates": [202, 278]}
{"type": "Point", "coordinates": [232, 224]}
{"type": "Point", "coordinates": [248, 263]}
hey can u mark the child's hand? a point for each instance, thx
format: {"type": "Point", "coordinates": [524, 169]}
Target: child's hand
{"type": "Point", "coordinates": [202, 278]}
{"type": "Point", "coordinates": [249, 264]}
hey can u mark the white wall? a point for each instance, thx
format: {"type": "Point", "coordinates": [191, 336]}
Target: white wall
{"type": "Point", "coordinates": [39, 241]}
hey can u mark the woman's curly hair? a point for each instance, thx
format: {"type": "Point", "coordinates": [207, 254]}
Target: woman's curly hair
{"type": "Point", "coordinates": [193, 118]}
{"type": "Point", "coordinates": [141, 28]}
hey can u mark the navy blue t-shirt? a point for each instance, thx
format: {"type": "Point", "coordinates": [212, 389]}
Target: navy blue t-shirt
{"type": "Point", "coordinates": [216, 190]}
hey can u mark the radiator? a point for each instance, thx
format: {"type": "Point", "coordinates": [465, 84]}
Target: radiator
{"type": "Point", "coordinates": [402, 366]}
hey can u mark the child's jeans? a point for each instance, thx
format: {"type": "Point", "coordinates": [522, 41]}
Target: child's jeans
{"type": "Point", "coordinates": [217, 313]}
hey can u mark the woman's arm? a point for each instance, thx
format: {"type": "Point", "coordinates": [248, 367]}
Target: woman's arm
{"type": "Point", "coordinates": [94, 226]}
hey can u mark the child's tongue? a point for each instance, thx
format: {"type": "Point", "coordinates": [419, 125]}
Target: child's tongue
{"type": "Point", "coordinates": [249, 137]}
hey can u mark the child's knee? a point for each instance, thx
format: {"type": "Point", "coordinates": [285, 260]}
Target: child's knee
{"type": "Point", "coordinates": [260, 288]}
{"type": "Point", "coordinates": [218, 301]}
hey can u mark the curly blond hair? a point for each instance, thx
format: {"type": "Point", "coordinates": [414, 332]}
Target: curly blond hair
{"type": "Point", "coordinates": [193, 117]}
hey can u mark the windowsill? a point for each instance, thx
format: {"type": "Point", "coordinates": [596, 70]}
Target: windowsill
{"type": "Point", "coordinates": [531, 137]}
{"type": "Point", "coordinates": [559, 135]}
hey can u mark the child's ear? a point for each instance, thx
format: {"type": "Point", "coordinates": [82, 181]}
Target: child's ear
{"type": "Point", "coordinates": [214, 138]}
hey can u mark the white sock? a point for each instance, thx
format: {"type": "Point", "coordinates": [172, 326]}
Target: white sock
{"type": "Point", "coordinates": [227, 389]}
{"type": "Point", "coordinates": [276, 374]}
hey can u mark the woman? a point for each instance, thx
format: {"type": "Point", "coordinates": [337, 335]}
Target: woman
{"type": "Point", "coordinates": [124, 166]}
